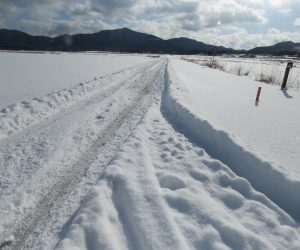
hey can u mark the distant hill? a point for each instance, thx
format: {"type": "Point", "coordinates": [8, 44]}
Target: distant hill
{"type": "Point", "coordinates": [193, 46]}
{"type": "Point", "coordinates": [14, 39]}
{"type": "Point", "coordinates": [282, 48]}
{"type": "Point", "coordinates": [126, 40]}
{"type": "Point", "coordinates": [119, 40]}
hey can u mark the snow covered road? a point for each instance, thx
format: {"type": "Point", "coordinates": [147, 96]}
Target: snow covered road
{"type": "Point", "coordinates": [163, 192]}
{"type": "Point", "coordinates": [42, 161]}
{"type": "Point", "coordinates": [115, 164]}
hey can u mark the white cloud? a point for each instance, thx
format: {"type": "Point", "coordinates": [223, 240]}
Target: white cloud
{"type": "Point", "coordinates": [197, 15]}
{"type": "Point", "coordinates": [8, 9]}
{"type": "Point", "coordinates": [254, 2]}
{"type": "Point", "coordinates": [215, 22]}
{"type": "Point", "coordinates": [193, 14]}
{"type": "Point", "coordinates": [279, 5]}
{"type": "Point", "coordinates": [285, 11]}
{"type": "Point", "coordinates": [282, 3]}
{"type": "Point", "coordinates": [241, 39]}
{"type": "Point", "coordinates": [80, 8]}
{"type": "Point", "coordinates": [297, 21]}
{"type": "Point", "coordinates": [227, 12]}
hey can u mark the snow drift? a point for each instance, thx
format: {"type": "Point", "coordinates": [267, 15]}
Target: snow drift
{"type": "Point", "coordinates": [219, 144]}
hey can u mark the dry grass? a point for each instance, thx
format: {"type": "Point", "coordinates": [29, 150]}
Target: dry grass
{"type": "Point", "coordinates": [238, 70]}
{"type": "Point", "coordinates": [294, 81]}
{"type": "Point", "coordinates": [274, 77]}
{"type": "Point", "coordinates": [270, 79]}
{"type": "Point", "coordinates": [191, 60]}
{"type": "Point", "coordinates": [241, 71]}
{"type": "Point", "coordinates": [270, 76]}
{"type": "Point", "coordinates": [213, 64]}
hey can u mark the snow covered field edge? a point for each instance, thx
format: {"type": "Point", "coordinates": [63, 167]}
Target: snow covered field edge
{"type": "Point", "coordinates": [219, 144]}
{"type": "Point", "coordinates": [23, 114]}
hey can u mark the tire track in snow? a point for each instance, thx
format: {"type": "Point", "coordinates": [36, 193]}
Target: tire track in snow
{"type": "Point", "coordinates": [41, 213]}
{"type": "Point", "coordinates": [18, 118]}
{"type": "Point", "coordinates": [44, 150]}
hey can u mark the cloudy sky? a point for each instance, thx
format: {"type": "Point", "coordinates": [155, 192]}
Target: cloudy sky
{"type": "Point", "coordinates": [232, 23]}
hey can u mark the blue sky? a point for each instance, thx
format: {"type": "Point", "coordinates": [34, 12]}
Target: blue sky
{"type": "Point", "coordinates": [232, 23]}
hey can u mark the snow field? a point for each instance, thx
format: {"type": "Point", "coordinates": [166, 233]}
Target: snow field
{"type": "Point", "coordinates": [222, 119]}
{"type": "Point", "coordinates": [163, 192]}
{"type": "Point", "coordinates": [272, 69]}
{"type": "Point", "coordinates": [21, 115]}
{"type": "Point", "coordinates": [25, 76]}
{"type": "Point", "coordinates": [261, 68]}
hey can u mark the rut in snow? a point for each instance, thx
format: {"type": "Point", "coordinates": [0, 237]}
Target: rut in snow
{"type": "Point", "coordinates": [144, 87]}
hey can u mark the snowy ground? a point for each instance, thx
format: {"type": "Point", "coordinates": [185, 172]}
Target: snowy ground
{"type": "Point", "coordinates": [261, 68]}
{"type": "Point", "coordinates": [155, 154]}
{"type": "Point", "coordinates": [24, 76]}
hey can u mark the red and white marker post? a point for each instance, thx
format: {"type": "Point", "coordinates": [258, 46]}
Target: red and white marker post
{"type": "Point", "coordinates": [257, 96]}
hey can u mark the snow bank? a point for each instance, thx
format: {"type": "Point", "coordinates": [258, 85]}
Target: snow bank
{"type": "Point", "coordinates": [163, 192]}
{"type": "Point", "coordinates": [262, 174]}
{"type": "Point", "coordinates": [21, 115]}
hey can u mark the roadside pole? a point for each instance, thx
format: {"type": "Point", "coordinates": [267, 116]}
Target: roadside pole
{"type": "Point", "coordinates": [257, 96]}
{"type": "Point", "coordinates": [286, 75]}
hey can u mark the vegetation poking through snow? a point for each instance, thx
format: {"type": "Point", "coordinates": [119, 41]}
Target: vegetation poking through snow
{"type": "Point", "coordinates": [214, 64]}
{"type": "Point", "coordinates": [270, 78]}
{"type": "Point", "coordinates": [240, 70]}
{"type": "Point", "coordinates": [273, 76]}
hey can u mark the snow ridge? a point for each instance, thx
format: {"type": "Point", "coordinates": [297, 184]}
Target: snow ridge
{"type": "Point", "coordinates": [21, 115]}
{"type": "Point", "coordinates": [261, 174]}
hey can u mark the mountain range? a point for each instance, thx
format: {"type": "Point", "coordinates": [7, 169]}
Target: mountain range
{"type": "Point", "coordinates": [126, 40]}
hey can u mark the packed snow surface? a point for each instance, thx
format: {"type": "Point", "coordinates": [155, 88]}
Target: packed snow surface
{"type": "Point", "coordinates": [149, 153]}
{"type": "Point", "coordinates": [163, 192]}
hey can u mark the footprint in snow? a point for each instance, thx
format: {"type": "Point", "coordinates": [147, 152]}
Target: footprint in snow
{"type": "Point", "coordinates": [99, 117]}
{"type": "Point", "coordinates": [171, 182]}
{"type": "Point", "coordinates": [232, 200]}
{"type": "Point", "coordinates": [199, 176]}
